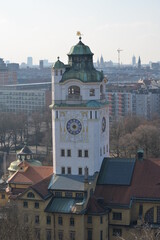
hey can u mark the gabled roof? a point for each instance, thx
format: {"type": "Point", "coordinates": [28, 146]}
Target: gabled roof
{"type": "Point", "coordinates": [41, 188]}
{"type": "Point", "coordinates": [145, 184]}
{"type": "Point", "coordinates": [95, 208]}
{"type": "Point", "coordinates": [32, 175]}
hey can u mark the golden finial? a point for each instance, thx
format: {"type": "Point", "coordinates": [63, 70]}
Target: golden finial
{"type": "Point", "coordinates": [79, 34]}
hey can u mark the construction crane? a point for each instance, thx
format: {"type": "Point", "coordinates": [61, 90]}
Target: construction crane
{"type": "Point", "coordinates": [119, 51]}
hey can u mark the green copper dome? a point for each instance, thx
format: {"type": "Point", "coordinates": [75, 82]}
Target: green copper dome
{"type": "Point", "coordinates": [80, 65]}
{"type": "Point", "coordinates": [83, 75]}
{"type": "Point", "coordinates": [58, 64]}
{"type": "Point", "coordinates": [80, 49]}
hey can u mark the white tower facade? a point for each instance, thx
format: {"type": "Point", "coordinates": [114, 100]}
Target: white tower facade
{"type": "Point", "coordinates": [80, 116]}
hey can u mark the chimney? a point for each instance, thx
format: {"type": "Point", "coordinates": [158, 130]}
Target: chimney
{"type": "Point", "coordinates": [140, 154]}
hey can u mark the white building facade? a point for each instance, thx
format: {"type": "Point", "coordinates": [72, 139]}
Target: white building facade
{"type": "Point", "coordinates": [79, 113]}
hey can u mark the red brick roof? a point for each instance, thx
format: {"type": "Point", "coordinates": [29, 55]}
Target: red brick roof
{"type": "Point", "coordinates": [32, 175]}
{"type": "Point", "coordinates": [145, 184]}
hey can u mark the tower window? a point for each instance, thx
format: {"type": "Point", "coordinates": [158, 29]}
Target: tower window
{"type": "Point", "coordinates": [80, 171]}
{"type": "Point", "coordinates": [61, 72]}
{"type": "Point", "coordinates": [69, 153]}
{"type": "Point", "coordinates": [56, 114]}
{"type": "Point", "coordinates": [62, 153]}
{"type": "Point", "coordinates": [56, 72]}
{"type": "Point", "coordinates": [90, 114]}
{"type": "Point", "coordinates": [104, 150]}
{"type": "Point", "coordinates": [63, 170]}
{"type": "Point", "coordinates": [36, 204]}
{"type": "Point", "coordinates": [92, 92]}
{"type": "Point", "coordinates": [89, 219]}
{"type": "Point", "coordinates": [79, 153]}
{"type": "Point", "coordinates": [95, 114]}
{"type": "Point", "coordinates": [69, 170]}
{"type": "Point", "coordinates": [74, 90]}
{"type": "Point", "coordinates": [100, 151]}
{"type": "Point", "coordinates": [85, 153]}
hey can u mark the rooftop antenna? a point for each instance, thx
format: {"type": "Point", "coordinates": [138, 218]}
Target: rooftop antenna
{"type": "Point", "coordinates": [119, 51]}
{"type": "Point", "coordinates": [119, 62]}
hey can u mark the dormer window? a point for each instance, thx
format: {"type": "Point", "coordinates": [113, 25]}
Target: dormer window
{"type": "Point", "coordinates": [92, 92]}
{"type": "Point", "coordinates": [30, 195]}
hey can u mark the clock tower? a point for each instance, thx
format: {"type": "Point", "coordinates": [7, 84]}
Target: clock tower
{"type": "Point", "coordinates": [80, 117]}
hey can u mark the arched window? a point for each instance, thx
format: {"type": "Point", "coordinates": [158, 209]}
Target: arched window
{"type": "Point", "coordinates": [74, 90]}
{"type": "Point", "coordinates": [30, 195]}
{"type": "Point", "coordinates": [149, 216]}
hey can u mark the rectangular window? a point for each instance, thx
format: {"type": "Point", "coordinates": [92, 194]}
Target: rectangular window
{"type": "Point", "coordinates": [62, 153]}
{"type": "Point", "coordinates": [68, 194]}
{"type": "Point", "coordinates": [3, 196]}
{"type": "Point", "coordinates": [100, 151]}
{"type": "Point", "coordinates": [58, 194]}
{"type": "Point", "coordinates": [117, 232]}
{"type": "Point", "coordinates": [89, 219]}
{"type": "Point", "coordinates": [48, 234]}
{"type": "Point", "coordinates": [79, 195]}
{"type": "Point", "coordinates": [56, 114]}
{"type": "Point", "coordinates": [92, 92]}
{"type": "Point", "coordinates": [101, 235]}
{"type": "Point", "coordinates": [85, 153]}
{"type": "Point", "coordinates": [89, 234]}
{"type": "Point", "coordinates": [95, 114]}
{"type": "Point", "coordinates": [69, 170]}
{"type": "Point", "coordinates": [25, 218]}
{"type": "Point", "coordinates": [48, 220]}
{"type": "Point", "coordinates": [72, 235]}
{"type": "Point", "coordinates": [104, 150]}
{"type": "Point", "coordinates": [37, 234]}
{"type": "Point", "coordinates": [71, 221]}
{"type": "Point", "coordinates": [36, 204]}
{"type": "Point", "coordinates": [79, 153]}
{"type": "Point", "coordinates": [60, 236]}
{"type": "Point", "coordinates": [90, 114]}
{"type": "Point", "coordinates": [60, 220]}
{"type": "Point", "coordinates": [62, 170]}
{"type": "Point", "coordinates": [117, 216]}
{"type": "Point", "coordinates": [80, 171]}
{"type": "Point", "coordinates": [101, 219]}
{"type": "Point", "coordinates": [25, 204]}
{"type": "Point", "coordinates": [69, 153]}
{"type": "Point", "coordinates": [37, 219]}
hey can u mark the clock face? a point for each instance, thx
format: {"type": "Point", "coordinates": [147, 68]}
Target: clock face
{"type": "Point", "coordinates": [74, 126]}
{"type": "Point", "coordinates": [103, 124]}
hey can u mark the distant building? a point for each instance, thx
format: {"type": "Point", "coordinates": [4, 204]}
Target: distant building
{"type": "Point", "coordinates": [139, 63]}
{"type": "Point", "coordinates": [29, 61]}
{"type": "Point", "coordinates": [7, 75]}
{"type": "Point", "coordinates": [41, 64]}
{"type": "Point", "coordinates": [133, 61]}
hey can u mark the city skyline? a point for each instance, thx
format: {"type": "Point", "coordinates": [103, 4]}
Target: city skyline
{"type": "Point", "coordinates": [36, 29]}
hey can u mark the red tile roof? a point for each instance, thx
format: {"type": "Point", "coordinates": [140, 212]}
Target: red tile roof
{"type": "Point", "coordinates": [145, 184]}
{"type": "Point", "coordinates": [94, 207]}
{"type": "Point", "coordinates": [32, 175]}
{"type": "Point", "coordinates": [42, 187]}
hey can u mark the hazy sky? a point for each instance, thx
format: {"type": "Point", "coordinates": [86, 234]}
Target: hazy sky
{"type": "Point", "coordinates": [45, 29]}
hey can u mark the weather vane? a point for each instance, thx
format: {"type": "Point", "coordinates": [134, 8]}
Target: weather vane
{"type": "Point", "coordinates": [79, 34]}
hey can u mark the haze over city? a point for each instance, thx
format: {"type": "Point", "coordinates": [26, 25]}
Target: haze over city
{"type": "Point", "coordinates": [45, 29]}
